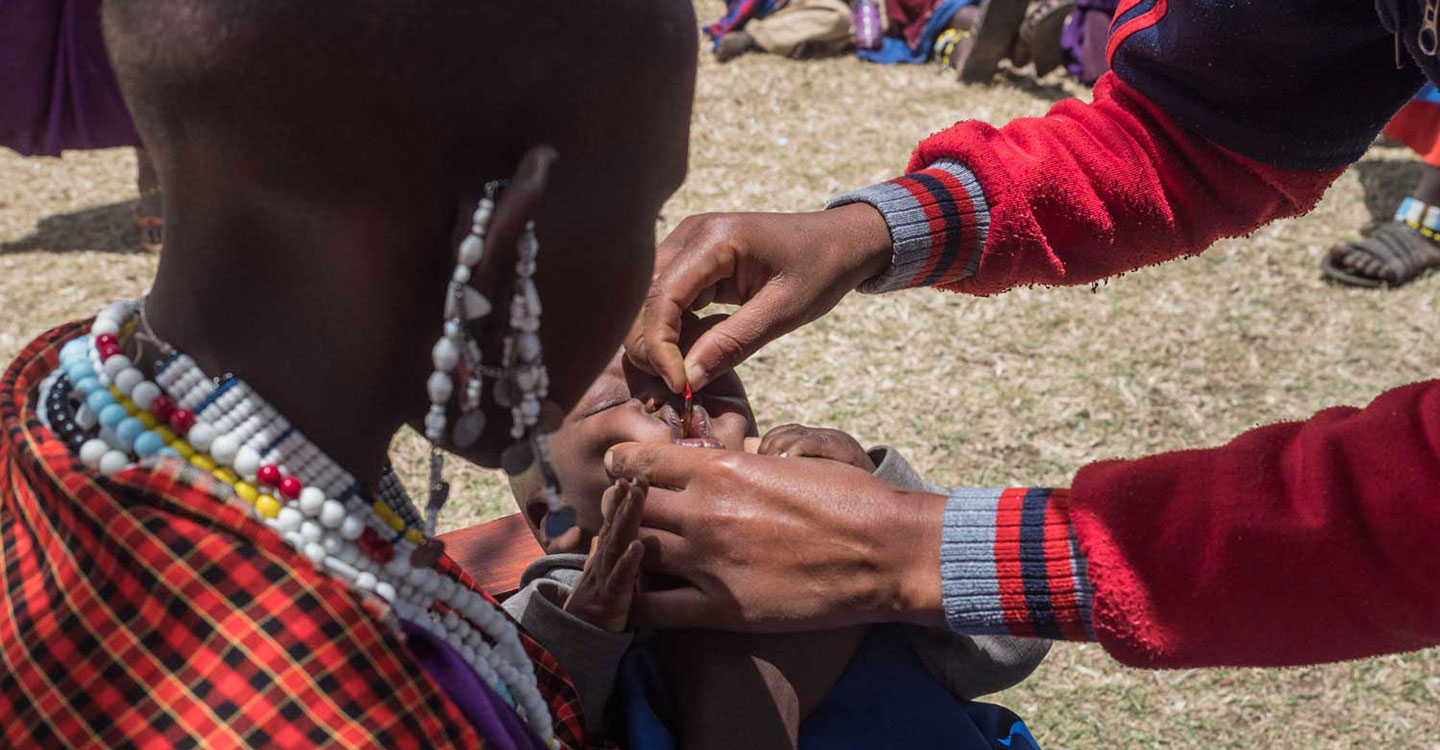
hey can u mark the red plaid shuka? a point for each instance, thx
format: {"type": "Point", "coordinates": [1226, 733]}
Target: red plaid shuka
{"type": "Point", "coordinates": [145, 611]}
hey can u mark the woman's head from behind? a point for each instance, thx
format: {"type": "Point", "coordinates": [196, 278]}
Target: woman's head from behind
{"type": "Point", "coordinates": [321, 159]}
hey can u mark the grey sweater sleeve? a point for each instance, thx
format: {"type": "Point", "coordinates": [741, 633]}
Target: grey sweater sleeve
{"type": "Point", "coordinates": [968, 666]}
{"type": "Point", "coordinates": [590, 655]}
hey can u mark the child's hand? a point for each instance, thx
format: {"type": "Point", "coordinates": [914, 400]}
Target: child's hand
{"type": "Point", "coordinates": [815, 442]}
{"type": "Point", "coordinates": [602, 597]}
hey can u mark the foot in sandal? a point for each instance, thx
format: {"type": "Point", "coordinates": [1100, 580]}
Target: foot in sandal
{"type": "Point", "coordinates": [1393, 255]}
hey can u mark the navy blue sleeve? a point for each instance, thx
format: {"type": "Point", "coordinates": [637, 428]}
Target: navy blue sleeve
{"type": "Point", "coordinates": [1299, 84]}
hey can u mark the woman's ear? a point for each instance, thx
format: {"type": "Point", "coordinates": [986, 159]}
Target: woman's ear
{"type": "Point", "coordinates": [516, 207]}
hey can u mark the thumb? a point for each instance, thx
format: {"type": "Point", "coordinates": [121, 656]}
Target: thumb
{"type": "Point", "coordinates": [770, 314]}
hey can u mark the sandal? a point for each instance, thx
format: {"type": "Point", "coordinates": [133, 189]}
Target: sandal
{"type": "Point", "coordinates": [996, 28]}
{"type": "Point", "coordinates": [1040, 35]}
{"type": "Point", "coordinates": [1393, 255]}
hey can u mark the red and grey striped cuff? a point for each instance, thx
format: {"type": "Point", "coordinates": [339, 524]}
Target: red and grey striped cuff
{"type": "Point", "coordinates": [1010, 565]}
{"type": "Point", "coordinates": [938, 220]}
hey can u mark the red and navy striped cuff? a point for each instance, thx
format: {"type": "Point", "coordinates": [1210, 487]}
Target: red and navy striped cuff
{"type": "Point", "coordinates": [1010, 565]}
{"type": "Point", "coordinates": [939, 220]}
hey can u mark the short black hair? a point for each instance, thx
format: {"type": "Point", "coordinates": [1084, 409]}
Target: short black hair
{"type": "Point", "coordinates": [354, 92]}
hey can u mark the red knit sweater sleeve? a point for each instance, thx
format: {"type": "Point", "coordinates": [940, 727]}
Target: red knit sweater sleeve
{"type": "Point", "coordinates": [1295, 543]}
{"type": "Point", "coordinates": [1086, 192]}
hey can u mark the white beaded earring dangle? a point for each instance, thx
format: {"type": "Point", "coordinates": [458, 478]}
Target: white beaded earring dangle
{"type": "Point", "coordinates": [527, 384]}
{"type": "Point", "coordinates": [456, 355]}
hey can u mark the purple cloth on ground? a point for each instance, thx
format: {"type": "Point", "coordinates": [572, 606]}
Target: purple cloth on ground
{"type": "Point", "coordinates": [58, 89]}
{"type": "Point", "coordinates": [1073, 38]}
{"type": "Point", "coordinates": [501, 727]}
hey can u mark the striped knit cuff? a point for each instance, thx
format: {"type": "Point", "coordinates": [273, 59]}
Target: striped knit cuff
{"type": "Point", "coordinates": [1010, 565]}
{"type": "Point", "coordinates": [938, 220]}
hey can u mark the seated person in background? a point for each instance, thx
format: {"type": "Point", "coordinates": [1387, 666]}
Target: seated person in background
{"type": "Point", "coordinates": [795, 29]}
{"type": "Point", "coordinates": [873, 687]}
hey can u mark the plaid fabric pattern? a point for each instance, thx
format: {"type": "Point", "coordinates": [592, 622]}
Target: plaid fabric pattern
{"type": "Point", "coordinates": [1010, 565]}
{"type": "Point", "coordinates": [145, 611]}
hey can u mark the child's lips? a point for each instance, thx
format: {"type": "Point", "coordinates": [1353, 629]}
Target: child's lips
{"type": "Point", "coordinates": [701, 433]}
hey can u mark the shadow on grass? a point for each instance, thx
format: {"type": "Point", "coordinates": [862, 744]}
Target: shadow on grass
{"type": "Point", "coordinates": [1025, 82]}
{"type": "Point", "coordinates": [1386, 182]}
{"type": "Point", "coordinates": [103, 228]}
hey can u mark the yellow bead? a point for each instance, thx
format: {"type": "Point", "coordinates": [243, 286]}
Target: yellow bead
{"type": "Point", "coordinates": [201, 460]}
{"type": "Point", "coordinates": [225, 475]}
{"type": "Point", "coordinates": [134, 411]}
{"type": "Point", "coordinates": [268, 506]}
{"type": "Point", "coordinates": [120, 397]}
{"type": "Point", "coordinates": [247, 492]}
{"type": "Point", "coordinates": [166, 434]}
{"type": "Point", "coordinates": [187, 450]}
{"type": "Point", "coordinates": [146, 418]}
{"type": "Point", "coordinates": [388, 516]}
{"type": "Point", "coordinates": [414, 536]}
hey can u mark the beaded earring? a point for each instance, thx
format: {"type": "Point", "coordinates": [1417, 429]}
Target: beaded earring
{"type": "Point", "coordinates": [522, 383]}
{"type": "Point", "coordinates": [526, 384]}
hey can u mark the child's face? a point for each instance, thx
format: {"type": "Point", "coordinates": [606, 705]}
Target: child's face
{"type": "Point", "coordinates": [626, 405]}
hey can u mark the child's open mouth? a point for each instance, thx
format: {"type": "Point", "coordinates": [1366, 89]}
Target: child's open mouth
{"type": "Point", "coordinates": [698, 431]}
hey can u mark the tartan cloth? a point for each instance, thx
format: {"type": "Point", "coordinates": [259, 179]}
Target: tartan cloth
{"type": "Point", "coordinates": [145, 611]}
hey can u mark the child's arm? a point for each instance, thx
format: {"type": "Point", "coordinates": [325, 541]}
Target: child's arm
{"type": "Point", "coordinates": [581, 620]}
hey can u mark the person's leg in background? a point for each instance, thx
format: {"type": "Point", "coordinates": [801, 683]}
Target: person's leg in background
{"type": "Point", "coordinates": [1404, 248]}
{"type": "Point", "coordinates": [802, 28]}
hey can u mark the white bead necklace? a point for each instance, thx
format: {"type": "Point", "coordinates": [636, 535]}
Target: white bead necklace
{"type": "Point", "coordinates": [314, 505]}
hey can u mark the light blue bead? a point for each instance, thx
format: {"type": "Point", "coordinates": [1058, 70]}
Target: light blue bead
{"type": "Point", "coordinates": [99, 398]}
{"type": "Point", "coordinates": [79, 371]}
{"type": "Point", "coordinates": [168, 451]}
{"type": "Point", "coordinates": [148, 444]}
{"type": "Point", "coordinates": [88, 386]}
{"type": "Point", "coordinates": [75, 349]}
{"type": "Point", "coordinates": [112, 415]}
{"type": "Point", "coordinates": [129, 429]}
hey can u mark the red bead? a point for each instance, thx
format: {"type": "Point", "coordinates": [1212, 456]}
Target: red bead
{"type": "Point", "coordinates": [375, 548]}
{"type": "Point", "coordinates": [106, 339]}
{"type": "Point", "coordinates": [290, 487]}
{"type": "Point", "coordinates": [181, 420]}
{"type": "Point", "coordinates": [106, 352]}
{"type": "Point", "coordinates": [162, 407]}
{"type": "Point", "coordinates": [269, 474]}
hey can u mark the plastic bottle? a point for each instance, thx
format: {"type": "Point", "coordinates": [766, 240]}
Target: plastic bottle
{"type": "Point", "coordinates": [867, 24]}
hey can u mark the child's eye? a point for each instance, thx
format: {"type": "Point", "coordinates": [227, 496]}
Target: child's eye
{"type": "Point", "coordinates": [606, 404]}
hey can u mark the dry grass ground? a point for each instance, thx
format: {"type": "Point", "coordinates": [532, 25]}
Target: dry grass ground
{"type": "Point", "coordinates": [1020, 388]}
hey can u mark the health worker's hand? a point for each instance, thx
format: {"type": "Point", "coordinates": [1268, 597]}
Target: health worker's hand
{"type": "Point", "coordinates": [784, 270]}
{"type": "Point", "coordinates": [768, 544]}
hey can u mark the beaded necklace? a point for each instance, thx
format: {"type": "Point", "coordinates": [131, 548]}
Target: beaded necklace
{"type": "Point", "coordinates": [105, 409]}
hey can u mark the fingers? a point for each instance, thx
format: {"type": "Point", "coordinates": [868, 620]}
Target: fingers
{"type": "Point", "coordinates": [693, 261]}
{"type": "Point", "coordinates": [771, 313]}
{"type": "Point", "coordinates": [626, 573]}
{"type": "Point", "coordinates": [666, 552]}
{"type": "Point", "coordinates": [622, 507]}
{"type": "Point", "coordinates": [659, 464]}
{"type": "Point", "coordinates": [777, 441]}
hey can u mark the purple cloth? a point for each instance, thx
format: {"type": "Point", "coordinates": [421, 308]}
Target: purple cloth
{"type": "Point", "coordinates": [501, 727]}
{"type": "Point", "coordinates": [1075, 40]}
{"type": "Point", "coordinates": [57, 90]}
